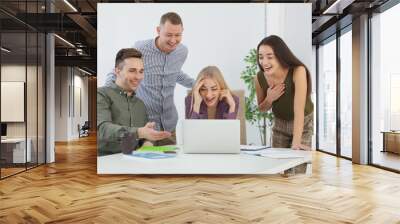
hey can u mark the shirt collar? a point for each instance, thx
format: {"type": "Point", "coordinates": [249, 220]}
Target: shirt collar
{"type": "Point", "coordinates": [160, 51]}
{"type": "Point", "coordinates": [120, 90]}
{"type": "Point", "coordinates": [154, 45]}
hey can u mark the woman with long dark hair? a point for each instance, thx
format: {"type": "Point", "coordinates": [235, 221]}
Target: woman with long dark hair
{"type": "Point", "coordinates": [284, 84]}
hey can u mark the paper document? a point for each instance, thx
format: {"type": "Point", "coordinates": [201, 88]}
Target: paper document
{"type": "Point", "coordinates": [280, 155]}
{"type": "Point", "coordinates": [252, 147]}
{"type": "Point", "coordinates": [277, 153]}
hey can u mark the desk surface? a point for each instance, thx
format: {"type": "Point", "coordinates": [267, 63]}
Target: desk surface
{"type": "Point", "coordinates": [13, 140]}
{"type": "Point", "coordinates": [391, 132]}
{"type": "Point", "coordinates": [201, 163]}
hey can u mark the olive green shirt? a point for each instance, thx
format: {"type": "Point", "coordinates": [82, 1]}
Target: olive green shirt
{"type": "Point", "coordinates": [283, 107]}
{"type": "Point", "coordinates": [117, 115]}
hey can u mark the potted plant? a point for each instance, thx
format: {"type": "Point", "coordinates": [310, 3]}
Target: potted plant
{"type": "Point", "coordinates": [263, 120]}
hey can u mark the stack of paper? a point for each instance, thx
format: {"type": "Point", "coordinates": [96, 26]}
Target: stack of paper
{"type": "Point", "coordinates": [275, 153]}
{"type": "Point", "coordinates": [280, 155]}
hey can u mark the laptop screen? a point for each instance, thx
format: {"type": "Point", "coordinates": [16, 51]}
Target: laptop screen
{"type": "Point", "coordinates": [211, 136]}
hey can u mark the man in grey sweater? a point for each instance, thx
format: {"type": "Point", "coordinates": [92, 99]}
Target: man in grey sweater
{"type": "Point", "coordinates": [163, 59]}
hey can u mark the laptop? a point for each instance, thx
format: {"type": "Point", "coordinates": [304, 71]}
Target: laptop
{"type": "Point", "coordinates": [211, 136]}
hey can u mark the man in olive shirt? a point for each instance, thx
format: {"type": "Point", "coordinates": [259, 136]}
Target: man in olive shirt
{"type": "Point", "coordinates": [122, 120]}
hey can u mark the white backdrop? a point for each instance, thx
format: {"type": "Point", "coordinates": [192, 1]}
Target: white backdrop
{"type": "Point", "coordinates": [215, 34]}
{"type": "Point", "coordinates": [12, 101]}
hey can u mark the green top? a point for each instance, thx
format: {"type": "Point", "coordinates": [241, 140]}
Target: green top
{"type": "Point", "coordinates": [283, 107]}
{"type": "Point", "coordinates": [117, 115]}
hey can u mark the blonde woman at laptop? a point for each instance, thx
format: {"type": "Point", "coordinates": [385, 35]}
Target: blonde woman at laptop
{"type": "Point", "coordinates": [211, 97]}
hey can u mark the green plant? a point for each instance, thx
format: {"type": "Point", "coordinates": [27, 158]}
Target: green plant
{"type": "Point", "coordinates": [253, 114]}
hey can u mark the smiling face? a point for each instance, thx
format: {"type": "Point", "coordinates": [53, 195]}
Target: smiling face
{"type": "Point", "coordinates": [210, 92]}
{"type": "Point", "coordinates": [169, 36]}
{"type": "Point", "coordinates": [268, 60]}
{"type": "Point", "coordinates": [130, 73]}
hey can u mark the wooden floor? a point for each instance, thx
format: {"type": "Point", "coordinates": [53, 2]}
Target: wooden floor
{"type": "Point", "coordinates": [387, 159]}
{"type": "Point", "coordinates": [5, 172]}
{"type": "Point", "coordinates": [70, 191]}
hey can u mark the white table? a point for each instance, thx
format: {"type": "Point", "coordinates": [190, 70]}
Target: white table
{"type": "Point", "coordinates": [18, 148]}
{"type": "Point", "coordinates": [202, 164]}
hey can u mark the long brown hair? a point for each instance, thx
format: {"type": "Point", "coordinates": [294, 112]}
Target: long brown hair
{"type": "Point", "coordinates": [284, 55]}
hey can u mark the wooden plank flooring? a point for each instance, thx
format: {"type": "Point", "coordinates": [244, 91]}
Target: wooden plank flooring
{"type": "Point", "coordinates": [70, 191]}
{"type": "Point", "coordinates": [10, 171]}
{"type": "Point", "coordinates": [387, 159]}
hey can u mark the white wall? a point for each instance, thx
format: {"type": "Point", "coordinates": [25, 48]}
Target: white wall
{"type": "Point", "coordinates": [84, 85]}
{"type": "Point", "coordinates": [80, 103]}
{"type": "Point", "coordinates": [215, 34]}
{"type": "Point", "coordinates": [292, 22]}
{"type": "Point", "coordinates": [61, 106]}
{"type": "Point", "coordinates": [17, 73]}
{"type": "Point", "coordinates": [12, 73]}
{"type": "Point", "coordinates": [68, 81]}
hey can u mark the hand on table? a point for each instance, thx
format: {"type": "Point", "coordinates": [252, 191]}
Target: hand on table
{"type": "Point", "coordinates": [148, 132]}
{"type": "Point", "coordinates": [297, 146]}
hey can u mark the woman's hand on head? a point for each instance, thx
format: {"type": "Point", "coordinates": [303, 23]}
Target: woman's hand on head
{"type": "Point", "coordinates": [227, 96]}
{"type": "Point", "coordinates": [196, 92]}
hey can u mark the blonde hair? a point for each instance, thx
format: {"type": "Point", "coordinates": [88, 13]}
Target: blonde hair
{"type": "Point", "coordinates": [211, 72]}
{"type": "Point", "coordinates": [214, 73]}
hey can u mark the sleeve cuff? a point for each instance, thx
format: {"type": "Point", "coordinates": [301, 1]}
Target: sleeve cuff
{"type": "Point", "coordinates": [230, 115]}
{"type": "Point", "coordinates": [194, 115]}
